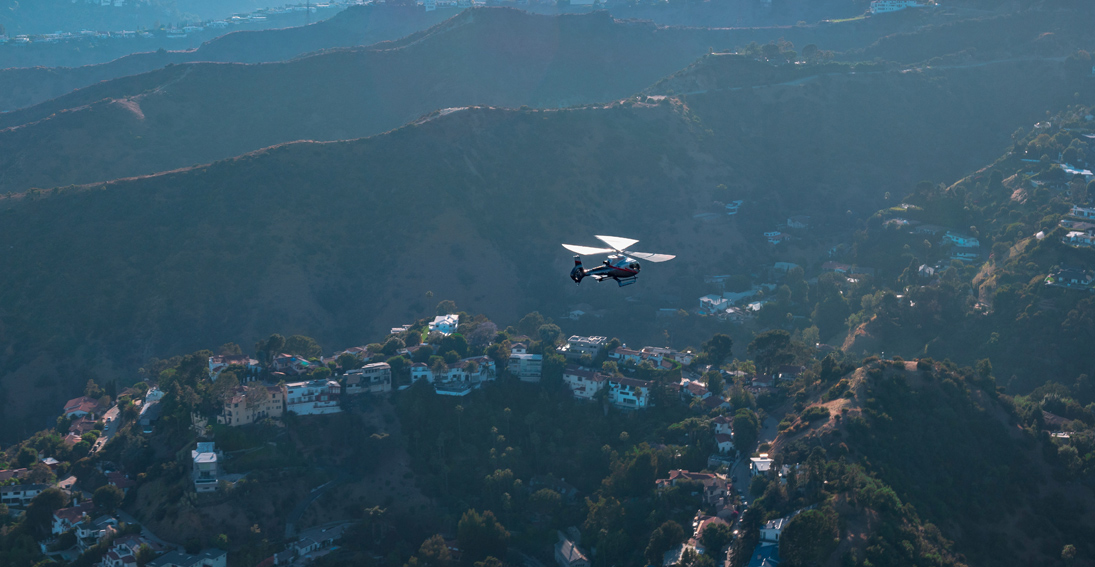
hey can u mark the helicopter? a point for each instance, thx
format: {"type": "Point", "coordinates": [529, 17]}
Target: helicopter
{"type": "Point", "coordinates": [621, 266]}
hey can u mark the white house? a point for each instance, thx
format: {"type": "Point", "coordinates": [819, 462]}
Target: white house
{"type": "Point", "coordinates": [629, 392]}
{"type": "Point", "coordinates": [712, 304]}
{"type": "Point", "coordinates": [622, 354]}
{"type": "Point", "coordinates": [66, 518]}
{"type": "Point", "coordinates": [20, 494]}
{"type": "Point", "coordinates": [577, 346]}
{"type": "Point", "coordinates": [419, 371]}
{"type": "Point", "coordinates": [772, 530]}
{"type": "Point", "coordinates": [760, 465]}
{"type": "Point", "coordinates": [1077, 238]}
{"type": "Point", "coordinates": [584, 383]}
{"type": "Point", "coordinates": [568, 555]}
{"type": "Point", "coordinates": [206, 461]}
{"type": "Point", "coordinates": [724, 425]}
{"type": "Point", "coordinates": [526, 367]}
{"type": "Point", "coordinates": [445, 324]}
{"type": "Point", "coordinates": [316, 397]}
{"type": "Point", "coordinates": [725, 443]}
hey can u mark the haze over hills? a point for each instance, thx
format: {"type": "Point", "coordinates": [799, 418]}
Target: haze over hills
{"type": "Point", "coordinates": [357, 25]}
{"type": "Point", "coordinates": [162, 246]}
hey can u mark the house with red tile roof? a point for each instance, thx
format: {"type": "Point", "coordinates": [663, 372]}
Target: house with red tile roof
{"type": "Point", "coordinates": [79, 407]}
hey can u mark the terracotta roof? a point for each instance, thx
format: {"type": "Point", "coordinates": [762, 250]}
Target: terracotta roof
{"type": "Point", "coordinates": [83, 403]}
{"type": "Point", "coordinates": [723, 438]}
{"type": "Point", "coordinates": [635, 382]}
{"type": "Point", "coordinates": [73, 514]}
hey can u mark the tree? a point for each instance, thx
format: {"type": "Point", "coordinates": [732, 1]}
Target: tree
{"type": "Point", "coordinates": [26, 457]}
{"type": "Point", "coordinates": [107, 498]}
{"type": "Point", "coordinates": [718, 349]}
{"type": "Point", "coordinates": [446, 307]}
{"type": "Point", "coordinates": [771, 349]}
{"type": "Point", "coordinates": [39, 514]}
{"type": "Point", "coordinates": [549, 334]}
{"type": "Point", "coordinates": [145, 554]}
{"type": "Point", "coordinates": [809, 539]}
{"type": "Point", "coordinates": [529, 324]}
{"type": "Point", "coordinates": [481, 536]}
{"type": "Point", "coordinates": [716, 536]}
{"type": "Point", "coordinates": [392, 346]}
{"type": "Point", "coordinates": [489, 562]}
{"type": "Point", "coordinates": [230, 349]}
{"type": "Point", "coordinates": [666, 537]}
{"type": "Point", "coordinates": [715, 382]}
{"type": "Point", "coordinates": [545, 502]}
{"type": "Point", "coordinates": [301, 345]}
{"type": "Point", "coordinates": [746, 429]}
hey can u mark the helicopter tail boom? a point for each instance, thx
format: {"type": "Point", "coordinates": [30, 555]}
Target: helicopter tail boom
{"type": "Point", "coordinates": [578, 272]}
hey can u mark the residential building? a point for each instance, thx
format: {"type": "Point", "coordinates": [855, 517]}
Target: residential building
{"type": "Point", "coordinates": [375, 378]}
{"type": "Point", "coordinates": [624, 355]}
{"type": "Point", "coordinates": [961, 240]}
{"type": "Point", "coordinates": [66, 518]}
{"type": "Point", "coordinates": [82, 406]}
{"type": "Point", "coordinates": [775, 237]}
{"type": "Point", "coordinates": [712, 403]}
{"type": "Point", "coordinates": [526, 367]}
{"type": "Point", "coordinates": [292, 364]}
{"type": "Point", "coordinates": [760, 465]}
{"type": "Point", "coordinates": [629, 393]}
{"type": "Point", "coordinates": [567, 553]}
{"type": "Point", "coordinates": [316, 397]}
{"type": "Point", "coordinates": [1071, 277]}
{"type": "Point", "coordinates": [772, 530]}
{"type": "Point", "coordinates": [419, 371]}
{"type": "Point", "coordinates": [837, 267]}
{"type": "Point", "coordinates": [699, 523]}
{"type": "Point", "coordinates": [1082, 212]}
{"type": "Point", "coordinates": [90, 532]}
{"type": "Point", "coordinates": [252, 404]}
{"type": "Point", "coordinates": [712, 304]}
{"type": "Point", "coordinates": [20, 494]}
{"type": "Point", "coordinates": [724, 425]}
{"type": "Point", "coordinates": [518, 348]}
{"type": "Point", "coordinates": [123, 551]}
{"type": "Point", "coordinates": [150, 413]}
{"type": "Point", "coordinates": [724, 442]}
{"type": "Point", "coordinates": [311, 544]}
{"type": "Point", "coordinates": [120, 480]}
{"type": "Point", "coordinates": [798, 222]}
{"type": "Point", "coordinates": [206, 460]}
{"type": "Point", "coordinates": [577, 346]}
{"type": "Point", "coordinates": [584, 383]}
{"type": "Point", "coordinates": [219, 363]}
{"type": "Point", "coordinates": [694, 390]}
{"type": "Point", "coordinates": [884, 6]}
{"type": "Point", "coordinates": [715, 487]}
{"type": "Point", "coordinates": [790, 372]}
{"type": "Point", "coordinates": [1080, 239]}
{"type": "Point", "coordinates": [445, 324]}
{"type": "Point", "coordinates": [9, 474]}
{"type": "Point", "coordinates": [207, 558]}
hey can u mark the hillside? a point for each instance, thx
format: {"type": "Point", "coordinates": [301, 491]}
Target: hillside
{"type": "Point", "coordinates": [182, 115]}
{"type": "Point", "coordinates": [357, 25]}
{"type": "Point", "coordinates": [162, 264]}
{"type": "Point", "coordinates": [951, 451]}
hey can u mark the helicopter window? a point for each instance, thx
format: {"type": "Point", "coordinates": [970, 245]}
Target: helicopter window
{"type": "Point", "coordinates": [634, 265]}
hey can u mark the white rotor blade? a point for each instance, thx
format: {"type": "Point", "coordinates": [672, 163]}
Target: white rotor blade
{"type": "Point", "coordinates": [651, 257]}
{"type": "Point", "coordinates": [617, 243]}
{"type": "Point", "coordinates": [587, 249]}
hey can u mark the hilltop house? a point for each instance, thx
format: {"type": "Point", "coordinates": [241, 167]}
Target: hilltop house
{"type": "Point", "coordinates": [292, 364]}
{"type": "Point", "coordinates": [1082, 212]}
{"type": "Point", "coordinates": [206, 461]}
{"type": "Point", "coordinates": [577, 346]}
{"type": "Point", "coordinates": [66, 518]}
{"type": "Point", "coordinates": [799, 221]}
{"type": "Point", "coordinates": [760, 465]}
{"type": "Point", "coordinates": [79, 407]}
{"type": "Point", "coordinates": [90, 532]}
{"type": "Point", "coordinates": [374, 378]}
{"type": "Point", "coordinates": [629, 393]}
{"type": "Point", "coordinates": [316, 397]}
{"type": "Point", "coordinates": [251, 404]}
{"type": "Point", "coordinates": [583, 383]}
{"type": "Point", "coordinates": [218, 364]}
{"type": "Point", "coordinates": [445, 324]}
{"type": "Point", "coordinates": [20, 494]}
{"type": "Point", "coordinates": [712, 304]}
{"type": "Point", "coordinates": [1080, 239]}
{"type": "Point", "coordinates": [207, 558]}
{"type": "Point", "coordinates": [123, 551]}
{"type": "Point", "coordinates": [567, 553]}
{"type": "Point", "coordinates": [724, 424]}
{"type": "Point", "coordinates": [884, 6]}
{"type": "Point", "coordinates": [772, 530]}
{"type": "Point", "coordinates": [526, 367]}
{"type": "Point", "coordinates": [961, 240]}
{"type": "Point", "coordinates": [624, 355]}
